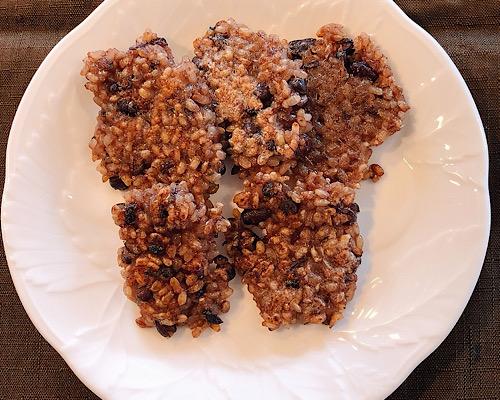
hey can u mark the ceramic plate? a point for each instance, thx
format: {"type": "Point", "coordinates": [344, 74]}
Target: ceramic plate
{"type": "Point", "coordinates": [426, 224]}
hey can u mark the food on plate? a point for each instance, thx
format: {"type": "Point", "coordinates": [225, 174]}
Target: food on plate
{"type": "Point", "coordinates": [299, 120]}
{"type": "Point", "coordinates": [345, 102]}
{"type": "Point", "coordinates": [156, 135]}
{"type": "Point", "coordinates": [169, 260]}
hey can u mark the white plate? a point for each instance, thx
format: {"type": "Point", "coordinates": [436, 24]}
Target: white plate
{"type": "Point", "coordinates": [426, 224]}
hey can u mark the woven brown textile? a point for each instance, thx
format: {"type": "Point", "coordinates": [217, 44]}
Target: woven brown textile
{"type": "Point", "coordinates": [465, 366]}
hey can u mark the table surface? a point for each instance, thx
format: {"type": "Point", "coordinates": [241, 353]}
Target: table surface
{"type": "Point", "coordinates": [465, 366]}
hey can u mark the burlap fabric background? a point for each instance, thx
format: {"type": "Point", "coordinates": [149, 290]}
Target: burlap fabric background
{"type": "Point", "coordinates": [465, 366]}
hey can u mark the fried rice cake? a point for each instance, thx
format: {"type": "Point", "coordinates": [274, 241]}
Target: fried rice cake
{"type": "Point", "coordinates": [354, 101]}
{"type": "Point", "coordinates": [156, 122]}
{"type": "Point", "coordinates": [301, 265]}
{"type": "Point", "coordinates": [169, 259]}
{"type": "Point", "coordinates": [260, 94]}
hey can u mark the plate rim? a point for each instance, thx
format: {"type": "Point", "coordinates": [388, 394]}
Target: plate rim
{"type": "Point", "coordinates": [81, 29]}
